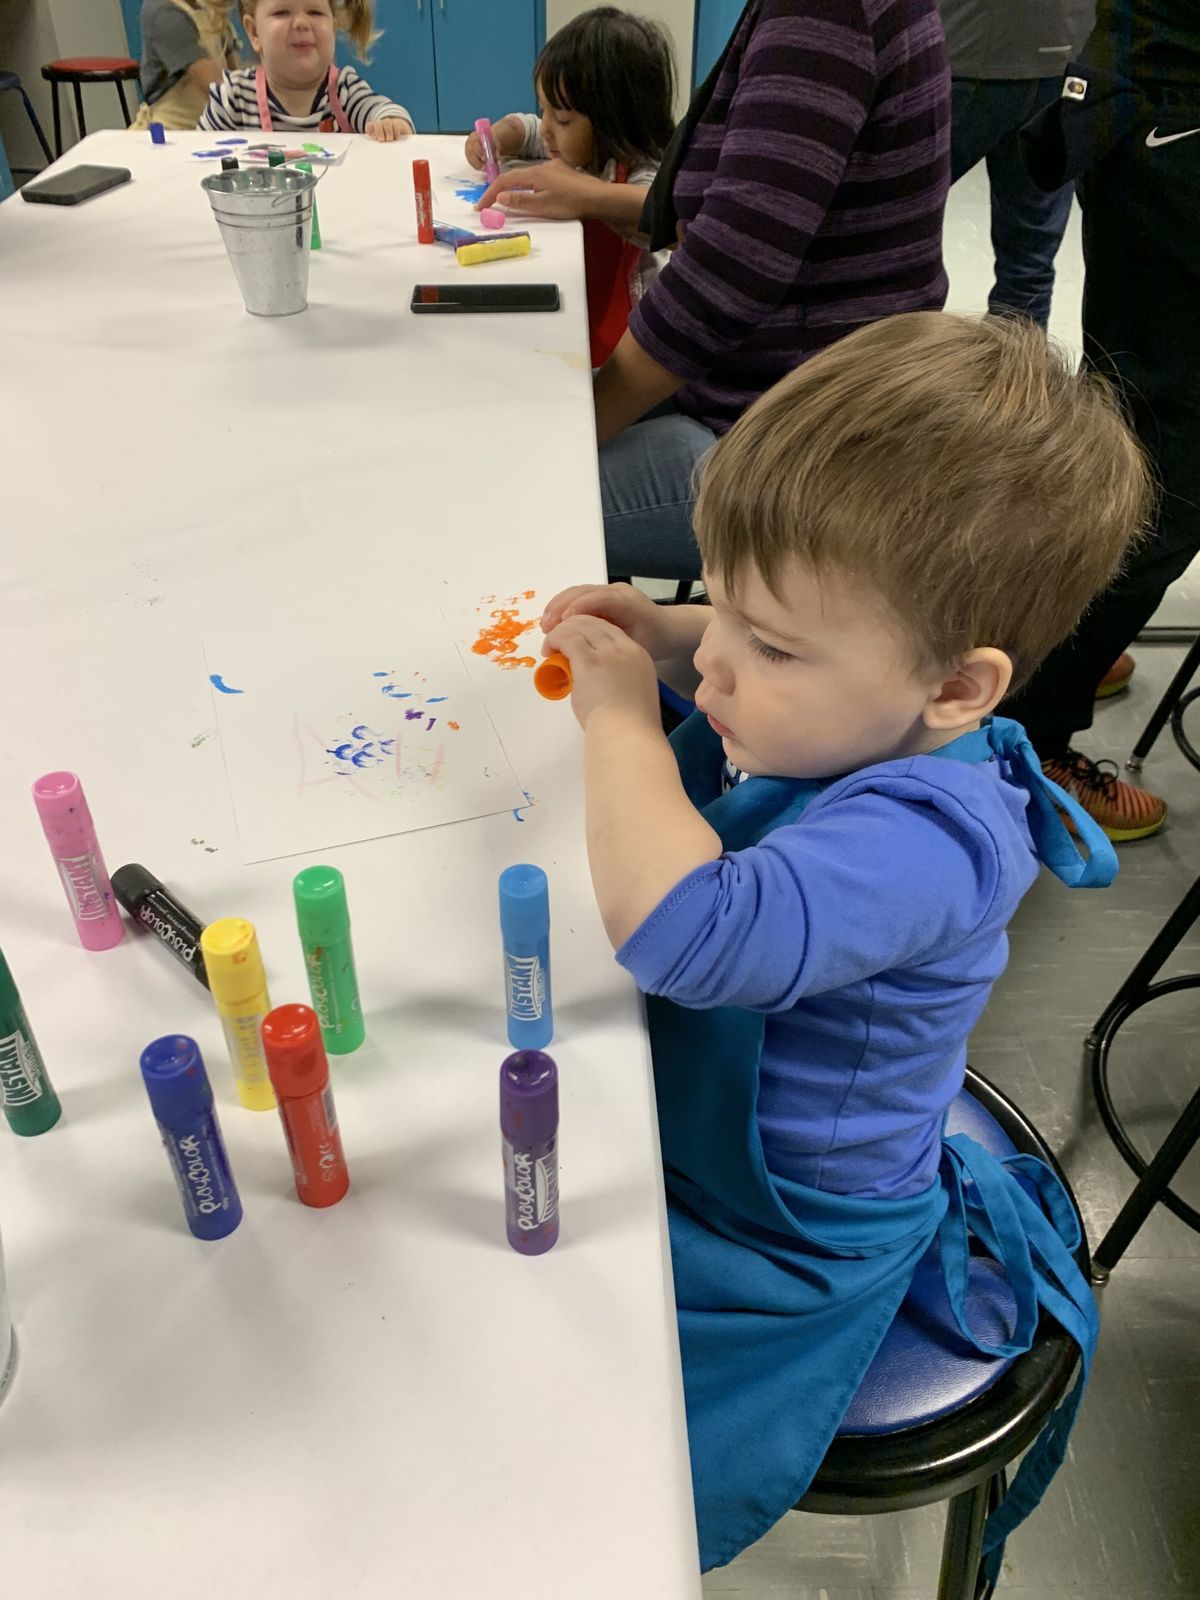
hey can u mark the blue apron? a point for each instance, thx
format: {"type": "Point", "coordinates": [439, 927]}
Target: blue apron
{"type": "Point", "coordinates": [784, 1293]}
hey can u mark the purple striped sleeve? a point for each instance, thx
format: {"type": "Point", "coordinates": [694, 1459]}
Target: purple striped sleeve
{"type": "Point", "coordinates": [804, 90]}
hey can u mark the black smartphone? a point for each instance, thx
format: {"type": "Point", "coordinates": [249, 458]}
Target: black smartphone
{"type": "Point", "coordinates": [75, 184]}
{"type": "Point", "coordinates": [440, 298]}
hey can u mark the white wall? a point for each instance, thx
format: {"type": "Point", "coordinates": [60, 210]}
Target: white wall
{"type": "Point", "coordinates": [33, 32]}
{"type": "Point", "coordinates": [675, 15]}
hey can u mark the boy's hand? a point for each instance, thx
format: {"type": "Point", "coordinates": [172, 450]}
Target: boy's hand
{"type": "Point", "coordinates": [385, 129]}
{"type": "Point", "coordinates": [608, 668]}
{"type": "Point", "coordinates": [621, 604]}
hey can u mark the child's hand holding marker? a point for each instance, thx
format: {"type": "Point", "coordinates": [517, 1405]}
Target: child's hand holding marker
{"type": "Point", "coordinates": [621, 604]}
{"type": "Point", "coordinates": [608, 669]}
{"type": "Point", "coordinates": [508, 135]}
{"type": "Point", "coordinates": [664, 637]}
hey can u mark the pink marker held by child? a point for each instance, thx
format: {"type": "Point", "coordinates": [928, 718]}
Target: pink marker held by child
{"type": "Point", "coordinates": [491, 162]}
{"type": "Point", "coordinates": [71, 835]}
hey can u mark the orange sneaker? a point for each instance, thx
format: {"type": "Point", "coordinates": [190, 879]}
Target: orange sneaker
{"type": "Point", "coordinates": [1116, 679]}
{"type": "Point", "coordinates": [1122, 811]}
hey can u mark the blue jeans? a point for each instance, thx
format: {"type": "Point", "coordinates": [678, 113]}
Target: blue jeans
{"type": "Point", "coordinates": [1027, 223]}
{"type": "Point", "coordinates": [647, 491]}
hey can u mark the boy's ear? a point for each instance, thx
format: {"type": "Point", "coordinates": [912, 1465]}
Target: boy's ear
{"type": "Point", "coordinates": [976, 685]}
{"type": "Point", "coordinates": [251, 31]}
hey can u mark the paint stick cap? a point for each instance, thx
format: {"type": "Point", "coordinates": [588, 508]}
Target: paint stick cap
{"type": "Point", "coordinates": [233, 961]}
{"type": "Point", "coordinates": [296, 1059]}
{"type": "Point", "coordinates": [524, 904]}
{"type": "Point", "coordinates": [321, 908]}
{"type": "Point", "coordinates": [175, 1079]}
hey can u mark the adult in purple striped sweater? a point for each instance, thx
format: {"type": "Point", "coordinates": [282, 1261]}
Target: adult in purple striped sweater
{"type": "Point", "coordinates": [806, 189]}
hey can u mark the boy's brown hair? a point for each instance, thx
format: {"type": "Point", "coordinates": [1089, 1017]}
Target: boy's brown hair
{"type": "Point", "coordinates": [958, 466]}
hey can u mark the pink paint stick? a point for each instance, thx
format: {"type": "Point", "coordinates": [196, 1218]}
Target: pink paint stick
{"type": "Point", "coordinates": [71, 834]}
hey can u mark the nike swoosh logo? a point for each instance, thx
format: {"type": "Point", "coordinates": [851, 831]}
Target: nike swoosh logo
{"type": "Point", "coordinates": [1153, 139]}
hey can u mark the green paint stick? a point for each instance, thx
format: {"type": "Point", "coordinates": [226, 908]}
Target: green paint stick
{"type": "Point", "coordinates": [306, 166]}
{"type": "Point", "coordinates": [30, 1104]}
{"type": "Point", "coordinates": [324, 920]}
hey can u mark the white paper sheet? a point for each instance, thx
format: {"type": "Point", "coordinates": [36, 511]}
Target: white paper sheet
{"type": "Point", "coordinates": [334, 731]}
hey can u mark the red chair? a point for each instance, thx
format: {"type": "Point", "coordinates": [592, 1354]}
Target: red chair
{"type": "Point", "coordinates": [78, 70]}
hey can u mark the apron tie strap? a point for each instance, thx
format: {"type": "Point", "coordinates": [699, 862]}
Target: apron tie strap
{"type": "Point", "coordinates": [264, 106]}
{"type": "Point", "coordinates": [1033, 1241]}
{"type": "Point", "coordinates": [1047, 801]}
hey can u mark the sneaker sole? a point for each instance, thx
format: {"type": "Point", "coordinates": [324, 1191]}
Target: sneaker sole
{"type": "Point", "coordinates": [1111, 689]}
{"type": "Point", "coordinates": [1128, 835]}
{"type": "Point", "coordinates": [1119, 835]}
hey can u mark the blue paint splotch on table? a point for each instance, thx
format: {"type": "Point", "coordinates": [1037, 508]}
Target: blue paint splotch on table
{"type": "Point", "coordinates": [219, 683]}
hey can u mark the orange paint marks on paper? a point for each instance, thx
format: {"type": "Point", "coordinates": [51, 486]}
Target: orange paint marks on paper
{"type": "Point", "coordinates": [499, 636]}
{"type": "Point", "coordinates": [453, 726]}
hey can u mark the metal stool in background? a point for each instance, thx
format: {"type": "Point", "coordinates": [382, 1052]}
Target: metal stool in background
{"type": "Point", "coordinates": [1154, 1176]}
{"type": "Point", "coordinates": [10, 80]}
{"type": "Point", "coordinates": [934, 1420]}
{"type": "Point", "coordinates": [78, 70]}
{"type": "Point", "coordinates": [1172, 707]}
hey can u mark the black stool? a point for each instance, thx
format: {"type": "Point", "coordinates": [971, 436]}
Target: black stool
{"type": "Point", "coordinates": [1172, 707]}
{"type": "Point", "coordinates": [78, 70]}
{"type": "Point", "coordinates": [933, 1419]}
{"type": "Point", "coordinates": [10, 80]}
{"type": "Point", "coordinates": [1154, 1177]}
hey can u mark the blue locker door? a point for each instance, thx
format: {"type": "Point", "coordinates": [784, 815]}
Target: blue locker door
{"type": "Point", "coordinates": [485, 52]}
{"type": "Point", "coordinates": [401, 64]}
{"type": "Point", "coordinates": [131, 10]}
{"type": "Point", "coordinates": [715, 21]}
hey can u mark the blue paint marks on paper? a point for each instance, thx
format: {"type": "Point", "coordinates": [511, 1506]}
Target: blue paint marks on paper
{"type": "Point", "coordinates": [472, 192]}
{"type": "Point", "coordinates": [517, 810]}
{"type": "Point", "coordinates": [233, 141]}
{"type": "Point", "coordinates": [363, 749]}
{"type": "Point", "coordinates": [218, 682]}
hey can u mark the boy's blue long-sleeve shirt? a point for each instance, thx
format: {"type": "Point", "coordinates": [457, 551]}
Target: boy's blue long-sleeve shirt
{"type": "Point", "coordinates": [870, 933]}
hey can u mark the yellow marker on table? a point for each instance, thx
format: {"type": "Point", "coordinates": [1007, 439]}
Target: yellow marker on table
{"type": "Point", "coordinates": [470, 255]}
{"type": "Point", "coordinates": [239, 987]}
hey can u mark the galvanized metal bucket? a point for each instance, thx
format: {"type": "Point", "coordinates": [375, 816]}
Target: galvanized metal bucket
{"type": "Point", "coordinates": [265, 215]}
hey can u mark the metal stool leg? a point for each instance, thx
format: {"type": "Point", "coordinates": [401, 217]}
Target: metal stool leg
{"type": "Point", "coordinates": [1179, 732]}
{"type": "Point", "coordinates": [37, 127]}
{"type": "Point", "coordinates": [962, 1544]}
{"type": "Point", "coordinates": [82, 126]}
{"type": "Point", "coordinates": [1149, 1191]}
{"type": "Point", "coordinates": [124, 103]}
{"type": "Point", "coordinates": [57, 119]}
{"type": "Point", "coordinates": [1162, 711]}
{"type": "Point", "coordinates": [1161, 947]}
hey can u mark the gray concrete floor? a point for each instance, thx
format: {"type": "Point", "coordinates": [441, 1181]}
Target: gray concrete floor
{"type": "Point", "coordinates": [1123, 1517]}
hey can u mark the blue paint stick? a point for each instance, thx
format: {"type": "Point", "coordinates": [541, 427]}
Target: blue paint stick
{"type": "Point", "coordinates": [525, 929]}
{"type": "Point", "coordinates": [182, 1102]}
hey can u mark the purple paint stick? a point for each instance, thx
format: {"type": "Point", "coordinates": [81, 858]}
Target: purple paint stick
{"type": "Point", "coordinates": [529, 1128]}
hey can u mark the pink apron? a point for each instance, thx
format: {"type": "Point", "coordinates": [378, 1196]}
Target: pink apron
{"type": "Point", "coordinates": [335, 105]}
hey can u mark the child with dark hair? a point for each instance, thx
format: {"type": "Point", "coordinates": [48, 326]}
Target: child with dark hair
{"type": "Point", "coordinates": [605, 83]}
